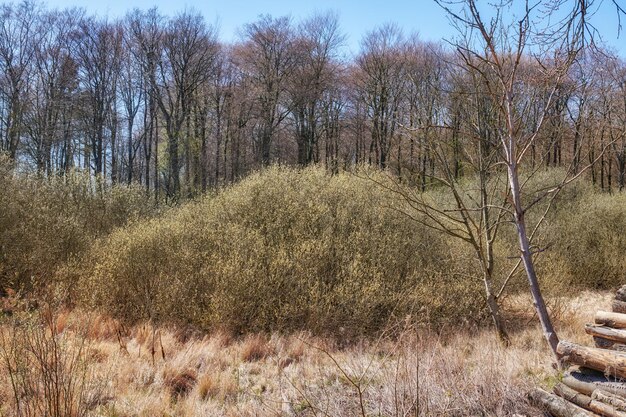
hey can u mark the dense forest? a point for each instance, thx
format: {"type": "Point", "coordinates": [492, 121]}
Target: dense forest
{"type": "Point", "coordinates": [161, 101]}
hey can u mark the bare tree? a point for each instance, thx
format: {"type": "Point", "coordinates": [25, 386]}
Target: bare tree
{"type": "Point", "coordinates": [423, 105]}
{"type": "Point", "coordinates": [316, 47]}
{"type": "Point", "coordinates": [268, 60]}
{"type": "Point", "coordinates": [239, 112]}
{"type": "Point", "coordinates": [614, 100]}
{"type": "Point", "coordinates": [187, 57]}
{"type": "Point", "coordinates": [497, 53]}
{"type": "Point", "coordinates": [381, 86]}
{"type": "Point", "coordinates": [479, 200]}
{"type": "Point", "coordinates": [48, 121]}
{"type": "Point", "coordinates": [145, 31]}
{"type": "Point", "coordinates": [98, 46]}
{"type": "Point", "coordinates": [132, 93]}
{"type": "Point", "coordinates": [18, 37]}
{"type": "Point", "coordinates": [333, 104]}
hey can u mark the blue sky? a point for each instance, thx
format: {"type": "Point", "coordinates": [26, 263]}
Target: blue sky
{"type": "Point", "coordinates": [356, 17]}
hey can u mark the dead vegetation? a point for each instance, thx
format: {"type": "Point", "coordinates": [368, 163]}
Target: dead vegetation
{"type": "Point", "coordinates": [105, 370]}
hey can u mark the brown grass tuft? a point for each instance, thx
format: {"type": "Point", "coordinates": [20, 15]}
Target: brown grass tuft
{"type": "Point", "coordinates": [220, 339]}
{"type": "Point", "coordinates": [179, 383]}
{"type": "Point", "coordinates": [96, 355]}
{"type": "Point", "coordinates": [61, 321]}
{"type": "Point", "coordinates": [296, 348]}
{"type": "Point", "coordinates": [219, 386]}
{"type": "Point", "coordinates": [255, 348]}
{"type": "Point", "coordinates": [142, 333]}
{"type": "Point", "coordinates": [104, 327]}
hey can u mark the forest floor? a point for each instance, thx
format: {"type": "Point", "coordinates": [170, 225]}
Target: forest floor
{"type": "Point", "coordinates": [164, 372]}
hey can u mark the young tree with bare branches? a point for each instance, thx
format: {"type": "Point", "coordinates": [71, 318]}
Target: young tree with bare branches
{"type": "Point", "coordinates": [496, 51]}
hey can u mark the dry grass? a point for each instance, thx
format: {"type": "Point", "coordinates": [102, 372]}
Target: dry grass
{"type": "Point", "coordinates": [179, 382]}
{"type": "Point", "coordinates": [254, 348]}
{"type": "Point", "coordinates": [220, 386]}
{"type": "Point", "coordinates": [415, 372]}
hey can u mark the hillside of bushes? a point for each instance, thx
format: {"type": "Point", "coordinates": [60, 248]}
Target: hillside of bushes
{"type": "Point", "coordinates": [283, 250]}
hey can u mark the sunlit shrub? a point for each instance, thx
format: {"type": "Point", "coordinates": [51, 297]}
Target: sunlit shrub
{"type": "Point", "coordinates": [589, 243]}
{"type": "Point", "coordinates": [46, 221]}
{"type": "Point", "coordinates": [285, 249]}
{"type": "Point", "coordinates": [288, 249]}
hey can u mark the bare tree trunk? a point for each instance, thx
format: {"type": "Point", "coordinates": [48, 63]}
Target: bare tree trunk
{"type": "Point", "coordinates": [114, 145]}
{"type": "Point", "coordinates": [526, 254]}
{"type": "Point", "coordinates": [218, 139]}
{"type": "Point", "coordinates": [131, 156]}
{"type": "Point", "coordinates": [488, 258]}
{"type": "Point", "coordinates": [157, 182]}
{"type": "Point", "coordinates": [494, 310]}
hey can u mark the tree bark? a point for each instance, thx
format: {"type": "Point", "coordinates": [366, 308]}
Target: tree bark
{"type": "Point", "coordinates": [614, 320]}
{"type": "Point", "coordinates": [173, 183]}
{"type": "Point", "coordinates": [616, 335]}
{"type": "Point", "coordinates": [526, 255]}
{"type": "Point", "coordinates": [586, 402]}
{"type": "Point", "coordinates": [589, 381]}
{"type": "Point", "coordinates": [488, 258]}
{"type": "Point", "coordinates": [607, 361]}
{"type": "Point", "coordinates": [618, 306]}
{"type": "Point", "coordinates": [556, 406]}
{"type": "Point", "coordinates": [608, 344]}
{"type": "Point", "coordinates": [613, 400]}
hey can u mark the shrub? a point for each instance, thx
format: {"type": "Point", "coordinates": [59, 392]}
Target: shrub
{"type": "Point", "coordinates": [48, 369]}
{"type": "Point", "coordinates": [284, 249]}
{"type": "Point", "coordinates": [589, 243]}
{"type": "Point", "coordinates": [288, 250]}
{"type": "Point", "coordinates": [46, 221]}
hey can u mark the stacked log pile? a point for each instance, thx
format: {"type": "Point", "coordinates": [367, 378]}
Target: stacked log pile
{"type": "Point", "coordinates": [595, 383]}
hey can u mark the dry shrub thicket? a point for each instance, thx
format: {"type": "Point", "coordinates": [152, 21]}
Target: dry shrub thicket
{"type": "Point", "coordinates": [283, 250]}
{"type": "Point", "coordinates": [290, 249]}
{"type": "Point", "coordinates": [286, 250]}
{"type": "Point", "coordinates": [45, 222]}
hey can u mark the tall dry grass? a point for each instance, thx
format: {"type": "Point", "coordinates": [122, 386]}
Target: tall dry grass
{"type": "Point", "coordinates": [46, 369]}
{"type": "Point", "coordinates": [406, 371]}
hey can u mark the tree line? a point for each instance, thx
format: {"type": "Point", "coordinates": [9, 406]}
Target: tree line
{"type": "Point", "coordinates": [161, 101]}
